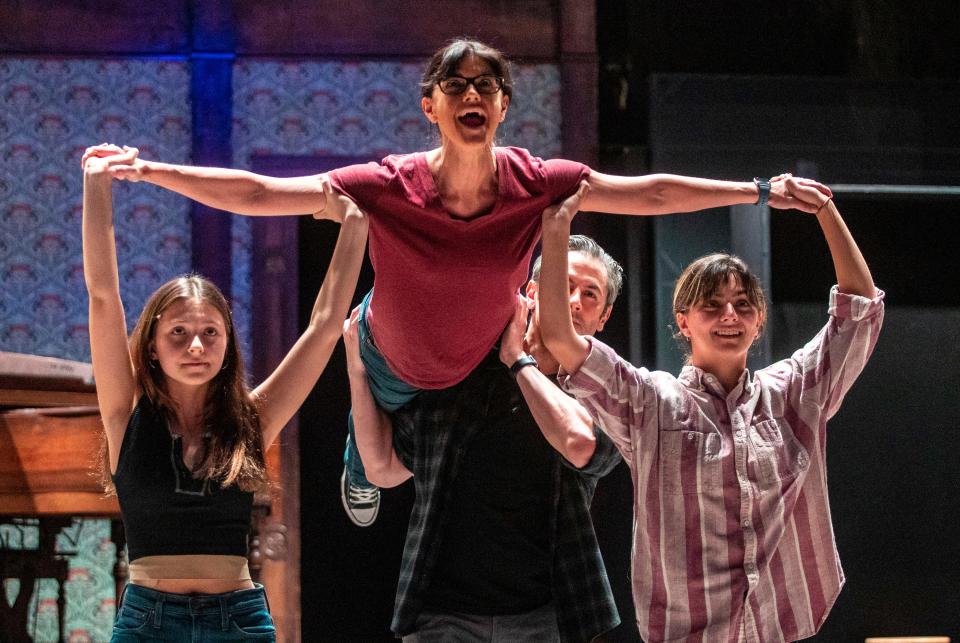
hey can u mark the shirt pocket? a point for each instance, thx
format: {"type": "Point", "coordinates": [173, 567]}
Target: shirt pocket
{"type": "Point", "coordinates": [690, 462]}
{"type": "Point", "coordinates": [780, 456]}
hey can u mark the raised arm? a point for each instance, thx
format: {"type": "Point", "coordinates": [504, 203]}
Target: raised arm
{"type": "Point", "coordinates": [282, 393]}
{"type": "Point", "coordinates": [236, 191]}
{"type": "Point", "coordinates": [373, 428]}
{"type": "Point", "coordinates": [853, 275]}
{"type": "Point", "coordinates": [667, 193]}
{"type": "Point", "coordinates": [556, 323]}
{"type": "Point", "coordinates": [112, 366]}
{"type": "Point", "coordinates": [826, 367]}
{"type": "Point", "coordinates": [563, 422]}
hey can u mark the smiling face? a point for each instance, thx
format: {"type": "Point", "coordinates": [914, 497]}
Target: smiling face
{"type": "Point", "coordinates": [470, 118]}
{"type": "Point", "coordinates": [721, 327]}
{"type": "Point", "coordinates": [190, 342]}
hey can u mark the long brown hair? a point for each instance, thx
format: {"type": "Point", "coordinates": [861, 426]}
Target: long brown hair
{"type": "Point", "coordinates": [234, 451]}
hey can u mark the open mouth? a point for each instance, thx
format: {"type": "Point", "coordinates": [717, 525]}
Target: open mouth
{"type": "Point", "coordinates": [728, 332]}
{"type": "Point", "coordinates": [472, 119]}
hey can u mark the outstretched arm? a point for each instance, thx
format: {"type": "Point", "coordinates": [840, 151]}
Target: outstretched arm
{"type": "Point", "coordinates": [563, 422]}
{"type": "Point", "coordinates": [282, 393]}
{"type": "Point", "coordinates": [667, 193]}
{"type": "Point", "coordinates": [112, 366]}
{"type": "Point", "coordinates": [853, 275]}
{"type": "Point", "coordinates": [373, 428]}
{"type": "Point", "coordinates": [236, 191]}
{"type": "Point", "coordinates": [556, 323]}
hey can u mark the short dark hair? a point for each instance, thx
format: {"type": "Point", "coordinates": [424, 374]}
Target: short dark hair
{"type": "Point", "coordinates": [446, 60]}
{"type": "Point", "coordinates": [589, 247]}
{"type": "Point", "coordinates": [707, 275]}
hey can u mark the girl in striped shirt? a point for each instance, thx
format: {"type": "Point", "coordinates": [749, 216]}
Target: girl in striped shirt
{"type": "Point", "coordinates": [733, 537]}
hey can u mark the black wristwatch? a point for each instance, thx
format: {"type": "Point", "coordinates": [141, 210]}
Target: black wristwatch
{"type": "Point", "coordinates": [763, 189]}
{"type": "Point", "coordinates": [526, 360]}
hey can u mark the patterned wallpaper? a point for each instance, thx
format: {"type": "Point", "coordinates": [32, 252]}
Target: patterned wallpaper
{"type": "Point", "coordinates": [89, 590]}
{"type": "Point", "coordinates": [50, 110]}
{"type": "Point", "coordinates": [358, 109]}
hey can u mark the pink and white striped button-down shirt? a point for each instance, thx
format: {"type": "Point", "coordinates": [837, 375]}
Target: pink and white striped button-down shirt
{"type": "Point", "coordinates": [732, 533]}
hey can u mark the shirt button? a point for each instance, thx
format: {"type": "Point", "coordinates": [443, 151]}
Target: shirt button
{"type": "Point", "coordinates": [746, 524]}
{"type": "Point", "coordinates": [749, 568]}
{"type": "Point", "coordinates": [740, 433]}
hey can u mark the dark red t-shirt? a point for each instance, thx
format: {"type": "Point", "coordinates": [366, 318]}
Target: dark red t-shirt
{"type": "Point", "coordinates": [445, 288]}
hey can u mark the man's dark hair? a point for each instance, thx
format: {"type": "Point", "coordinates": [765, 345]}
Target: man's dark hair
{"type": "Point", "coordinates": [589, 247]}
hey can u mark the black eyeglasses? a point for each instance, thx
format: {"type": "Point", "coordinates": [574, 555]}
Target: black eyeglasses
{"type": "Point", "coordinates": [484, 84]}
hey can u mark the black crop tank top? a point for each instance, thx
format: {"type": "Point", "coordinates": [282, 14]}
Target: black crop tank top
{"type": "Point", "coordinates": [165, 510]}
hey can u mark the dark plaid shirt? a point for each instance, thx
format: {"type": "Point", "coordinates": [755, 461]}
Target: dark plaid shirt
{"type": "Point", "coordinates": [431, 434]}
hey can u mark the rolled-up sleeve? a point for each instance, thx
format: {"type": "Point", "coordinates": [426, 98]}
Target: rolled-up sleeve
{"type": "Point", "coordinates": [605, 456]}
{"type": "Point", "coordinates": [827, 366]}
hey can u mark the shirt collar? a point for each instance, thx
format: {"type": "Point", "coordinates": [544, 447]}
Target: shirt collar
{"type": "Point", "coordinates": [698, 379]}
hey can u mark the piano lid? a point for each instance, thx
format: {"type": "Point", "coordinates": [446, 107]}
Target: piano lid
{"type": "Point", "coordinates": [40, 381]}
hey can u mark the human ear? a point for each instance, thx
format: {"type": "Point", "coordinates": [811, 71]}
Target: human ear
{"type": "Point", "coordinates": [426, 104]}
{"type": "Point", "coordinates": [682, 324]}
{"type": "Point", "coordinates": [504, 104]}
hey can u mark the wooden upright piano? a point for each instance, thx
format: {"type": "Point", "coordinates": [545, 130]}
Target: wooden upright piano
{"type": "Point", "coordinates": [49, 441]}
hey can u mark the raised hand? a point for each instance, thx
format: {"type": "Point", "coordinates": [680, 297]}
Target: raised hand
{"type": "Point", "coordinates": [339, 207]}
{"type": "Point", "coordinates": [124, 162]}
{"type": "Point", "coordinates": [104, 149]}
{"type": "Point", "coordinates": [511, 342]}
{"type": "Point", "coordinates": [786, 193]}
{"type": "Point", "coordinates": [562, 213]}
{"type": "Point", "coordinates": [808, 191]}
{"type": "Point", "coordinates": [107, 157]}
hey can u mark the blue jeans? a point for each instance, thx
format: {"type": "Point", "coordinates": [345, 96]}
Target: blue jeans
{"type": "Point", "coordinates": [389, 392]}
{"type": "Point", "coordinates": [148, 615]}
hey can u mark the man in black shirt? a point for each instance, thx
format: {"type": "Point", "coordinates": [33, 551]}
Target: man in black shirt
{"type": "Point", "coordinates": [500, 544]}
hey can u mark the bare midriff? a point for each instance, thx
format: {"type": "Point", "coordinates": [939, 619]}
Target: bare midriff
{"type": "Point", "coordinates": [193, 574]}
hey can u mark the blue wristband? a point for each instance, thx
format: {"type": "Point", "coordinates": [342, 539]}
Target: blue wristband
{"type": "Point", "coordinates": [763, 190]}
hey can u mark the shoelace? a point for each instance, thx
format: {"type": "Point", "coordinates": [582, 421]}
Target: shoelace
{"type": "Point", "coordinates": [363, 495]}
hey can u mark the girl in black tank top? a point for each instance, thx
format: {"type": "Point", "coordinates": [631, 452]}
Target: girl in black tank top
{"type": "Point", "coordinates": [184, 437]}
